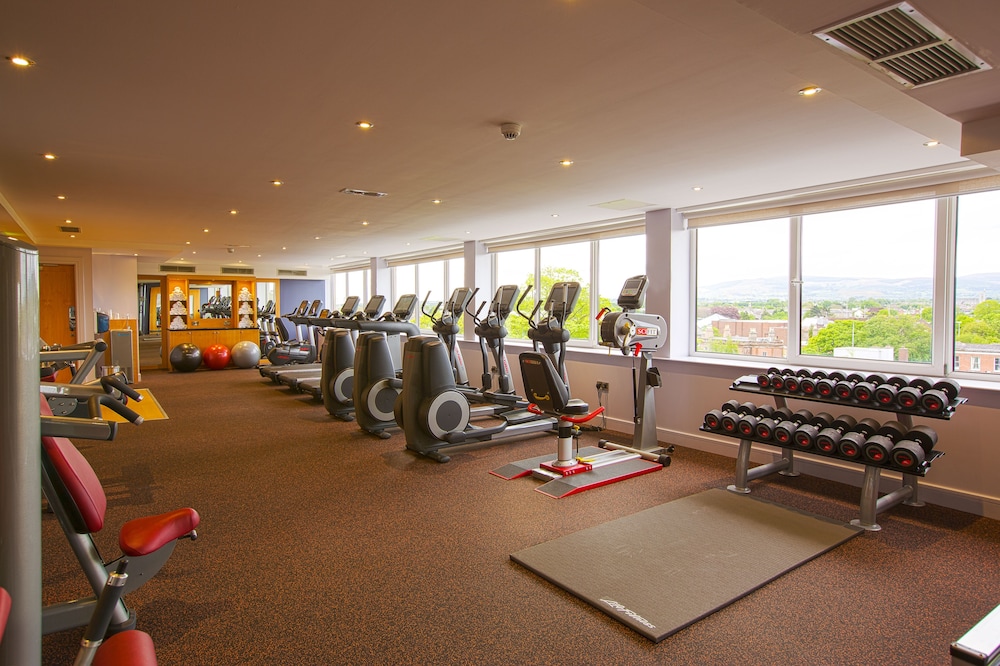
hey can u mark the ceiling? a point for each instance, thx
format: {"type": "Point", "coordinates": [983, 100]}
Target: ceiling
{"type": "Point", "coordinates": [165, 117]}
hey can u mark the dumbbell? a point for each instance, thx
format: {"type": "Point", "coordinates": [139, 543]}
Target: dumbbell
{"type": "Point", "coordinates": [713, 419]}
{"type": "Point", "coordinates": [885, 394]}
{"type": "Point", "coordinates": [764, 378]}
{"type": "Point", "coordinates": [747, 424]}
{"type": "Point", "coordinates": [878, 448]}
{"type": "Point", "coordinates": [731, 418]}
{"type": "Point", "coordinates": [805, 435]}
{"type": "Point", "coordinates": [939, 396]}
{"type": "Point", "coordinates": [807, 385]}
{"type": "Point", "coordinates": [908, 396]}
{"type": "Point", "coordinates": [825, 386]}
{"type": "Point", "coordinates": [850, 443]}
{"type": "Point", "coordinates": [765, 426]}
{"type": "Point", "coordinates": [865, 391]}
{"type": "Point", "coordinates": [913, 449]}
{"type": "Point", "coordinates": [827, 439]}
{"type": "Point", "coordinates": [784, 431]}
{"type": "Point", "coordinates": [844, 389]}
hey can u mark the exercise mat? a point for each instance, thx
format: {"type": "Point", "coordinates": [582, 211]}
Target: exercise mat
{"type": "Point", "coordinates": [662, 569]}
{"type": "Point", "coordinates": [148, 408]}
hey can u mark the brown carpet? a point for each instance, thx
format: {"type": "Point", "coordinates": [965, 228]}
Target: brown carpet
{"type": "Point", "coordinates": [322, 545]}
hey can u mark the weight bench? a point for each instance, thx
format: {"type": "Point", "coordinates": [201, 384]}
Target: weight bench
{"type": "Point", "coordinates": [77, 498]}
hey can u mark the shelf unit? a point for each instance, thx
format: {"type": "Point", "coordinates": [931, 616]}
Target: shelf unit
{"type": "Point", "coordinates": [870, 503]}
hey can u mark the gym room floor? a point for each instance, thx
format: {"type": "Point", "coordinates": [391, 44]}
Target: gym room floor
{"type": "Point", "coordinates": [322, 545]}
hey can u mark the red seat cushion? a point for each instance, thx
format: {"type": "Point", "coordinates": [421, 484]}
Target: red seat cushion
{"type": "Point", "coordinates": [134, 648]}
{"type": "Point", "coordinates": [4, 610]}
{"type": "Point", "coordinates": [144, 535]}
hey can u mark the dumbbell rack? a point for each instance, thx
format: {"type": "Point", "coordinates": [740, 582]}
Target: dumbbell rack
{"type": "Point", "coordinates": [870, 504]}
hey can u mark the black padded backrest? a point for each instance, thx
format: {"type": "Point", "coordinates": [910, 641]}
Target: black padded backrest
{"type": "Point", "coordinates": [286, 329]}
{"type": "Point", "coordinates": [542, 384]}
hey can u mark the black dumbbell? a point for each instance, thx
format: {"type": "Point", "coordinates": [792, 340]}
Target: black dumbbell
{"type": "Point", "coordinates": [825, 386]}
{"type": "Point", "coordinates": [731, 418]}
{"type": "Point", "coordinates": [878, 448]}
{"type": "Point", "coordinates": [908, 396]}
{"type": "Point", "coordinates": [784, 431]}
{"type": "Point", "coordinates": [747, 425]}
{"type": "Point", "coordinates": [791, 383]}
{"type": "Point", "coordinates": [807, 385]}
{"type": "Point", "coordinates": [764, 378]}
{"type": "Point", "coordinates": [850, 444]}
{"type": "Point", "coordinates": [766, 424]}
{"type": "Point", "coordinates": [763, 411]}
{"type": "Point", "coordinates": [805, 435]}
{"type": "Point", "coordinates": [844, 389]}
{"type": "Point", "coordinates": [819, 374]}
{"type": "Point", "coordinates": [885, 394]}
{"type": "Point", "coordinates": [938, 397]}
{"type": "Point", "coordinates": [865, 391]}
{"type": "Point", "coordinates": [913, 449]}
{"type": "Point", "coordinates": [827, 439]}
{"type": "Point", "coordinates": [803, 372]}
{"type": "Point", "coordinates": [713, 419]}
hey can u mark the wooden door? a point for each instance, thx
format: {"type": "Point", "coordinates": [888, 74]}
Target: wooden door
{"type": "Point", "coordinates": [57, 315]}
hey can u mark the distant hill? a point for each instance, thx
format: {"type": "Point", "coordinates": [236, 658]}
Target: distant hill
{"type": "Point", "coordinates": [840, 288]}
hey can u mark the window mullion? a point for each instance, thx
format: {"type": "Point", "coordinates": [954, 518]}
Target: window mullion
{"type": "Point", "coordinates": [794, 340]}
{"type": "Point", "coordinates": [943, 303]}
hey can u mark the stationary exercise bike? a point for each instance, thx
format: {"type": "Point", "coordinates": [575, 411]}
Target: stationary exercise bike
{"type": "Point", "coordinates": [639, 335]}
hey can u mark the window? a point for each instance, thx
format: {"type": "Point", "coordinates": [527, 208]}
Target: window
{"type": "Point", "coordinates": [606, 262]}
{"type": "Point", "coordinates": [349, 283]}
{"type": "Point", "coordinates": [904, 287]}
{"type": "Point", "coordinates": [404, 281]}
{"type": "Point", "coordinates": [977, 283]}
{"type": "Point", "coordinates": [432, 280]}
{"type": "Point", "coordinates": [741, 286]}
{"type": "Point", "coordinates": [867, 282]}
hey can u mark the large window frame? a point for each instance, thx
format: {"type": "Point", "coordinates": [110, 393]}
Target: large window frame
{"type": "Point", "coordinates": [943, 356]}
{"type": "Point", "coordinates": [453, 276]}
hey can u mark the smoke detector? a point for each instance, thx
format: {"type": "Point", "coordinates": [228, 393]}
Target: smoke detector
{"type": "Point", "coordinates": [510, 131]}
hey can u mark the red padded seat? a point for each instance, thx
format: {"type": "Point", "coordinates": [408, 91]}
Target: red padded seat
{"type": "Point", "coordinates": [144, 535]}
{"type": "Point", "coordinates": [129, 648]}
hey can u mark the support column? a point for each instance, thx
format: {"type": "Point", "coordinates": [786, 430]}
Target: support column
{"type": "Point", "coordinates": [20, 467]}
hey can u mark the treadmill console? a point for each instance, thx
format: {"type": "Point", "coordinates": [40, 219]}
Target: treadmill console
{"type": "Point", "coordinates": [562, 298]}
{"type": "Point", "coordinates": [374, 307]}
{"type": "Point", "coordinates": [632, 292]}
{"type": "Point", "coordinates": [349, 306]}
{"type": "Point", "coordinates": [403, 310]}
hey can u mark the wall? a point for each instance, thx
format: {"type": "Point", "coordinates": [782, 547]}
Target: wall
{"type": "Point", "coordinates": [115, 285]}
{"type": "Point", "coordinates": [293, 292]}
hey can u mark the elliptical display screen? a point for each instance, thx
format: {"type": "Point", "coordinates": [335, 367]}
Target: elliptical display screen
{"type": "Point", "coordinates": [562, 298]}
{"type": "Point", "coordinates": [459, 300]}
{"type": "Point", "coordinates": [503, 300]}
{"type": "Point", "coordinates": [374, 306]}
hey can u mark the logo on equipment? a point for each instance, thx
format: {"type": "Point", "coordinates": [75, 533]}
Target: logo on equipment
{"type": "Point", "coordinates": [631, 613]}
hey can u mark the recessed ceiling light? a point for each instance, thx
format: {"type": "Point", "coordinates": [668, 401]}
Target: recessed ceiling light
{"type": "Point", "coordinates": [932, 143]}
{"type": "Point", "coordinates": [69, 221]}
{"type": "Point", "coordinates": [277, 182]}
{"type": "Point", "coordinates": [364, 223]}
{"type": "Point", "coordinates": [365, 124]}
{"type": "Point", "coordinates": [809, 91]}
{"type": "Point", "coordinates": [72, 235]}
{"type": "Point", "coordinates": [233, 211]}
{"type": "Point", "coordinates": [20, 61]}
{"type": "Point", "coordinates": [135, 254]}
{"type": "Point", "coordinates": [194, 252]}
{"type": "Point", "coordinates": [315, 237]}
{"type": "Point", "coordinates": [407, 244]}
{"type": "Point", "coordinates": [696, 188]}
{"type": "Point", "coordinates": [50, 156]}
{"type": "Point", "coordinates": [565, 162]}
{"type": "Point", "coordinates": [435, 201]}
{"type": "Point", "coordinates": [61, 197]}
{"type": "Point", "coordinates": [205, 230]}
{"type": "Point", "coordinates": [258, 256]}
{"type": "Point", "coordinates": [340, 256]}
{"type": "Point", "coordinates": [555, 214]}
{"type": "Point", "coordinates": [364, 252]}
{"type": "Point", "coordinates": [187, 242]}
{"type": "Point", "coordinates": [284, 248]}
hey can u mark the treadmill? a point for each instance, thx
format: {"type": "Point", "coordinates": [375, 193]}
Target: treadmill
{"type": "Point", "coordinates": [312, 322]}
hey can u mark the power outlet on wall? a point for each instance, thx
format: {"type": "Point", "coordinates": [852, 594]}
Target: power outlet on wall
{"type": "Point", "coordinates": [602, 386]}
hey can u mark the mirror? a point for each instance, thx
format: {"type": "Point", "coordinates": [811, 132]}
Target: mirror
{"type": "Point", "coordinates": [210, 304]}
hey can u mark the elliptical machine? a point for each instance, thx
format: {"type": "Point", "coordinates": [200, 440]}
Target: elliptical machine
{"type": "Point", "coordinates": [447, 327]}
{"type": "Point", "coordinates": [639, 335]}
{"type": "Point", "coordinates": [435, 414]}
{"type": "Point", "coordinates": [491, 331]}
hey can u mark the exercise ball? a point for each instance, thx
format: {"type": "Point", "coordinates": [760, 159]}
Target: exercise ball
{"type": "Point", "coordinates": [245, 354]}
{"type": "Point", "coordinates": [185, 357]}
{"type": "Point", "coordinates": [216, 356]}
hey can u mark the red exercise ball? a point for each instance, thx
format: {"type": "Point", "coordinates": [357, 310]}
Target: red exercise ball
{"type": "Point", "coordinates": [216, 357]}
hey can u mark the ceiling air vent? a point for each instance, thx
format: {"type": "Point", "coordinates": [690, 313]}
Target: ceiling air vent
{"type": "Point", "coordinates": [292, 273]}
{"type": "Point", "coordinates": [69, 230]}
{"type": "Point", "coordinates": [904, 44]}
{"type": "Point", "coordinates": [178, 268]}
{"type": "Point", "coordinates": [362, 193]}
{"type": "Point", "coordinates": [236, 270]}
